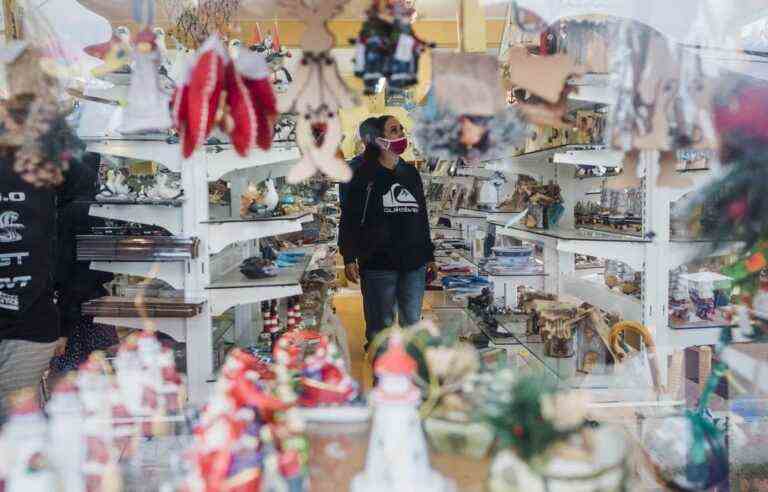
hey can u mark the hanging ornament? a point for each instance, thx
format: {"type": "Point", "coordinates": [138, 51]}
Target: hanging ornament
{"type": "Point", "coordinates": [147, 109]}
{"type": "Point", "coordinates": [196, 100]}
{"type": "Point", "coordinates": [317, 95]}
{"type": "Point", "coordinates": [543, 76]}
{"type": "Point", "coordinates": [115, 53]}
{"type": "Point", "coordinates": [387, 47]}
{"type": "Point", "coordinates": [233, 94]}
{"type": "Point", "coordinates": [255, 73]}
{"type": "Point", "coordinates": [465, 115]}
{"type": "Point", "coordinates": [194, 22]}
{"type": "Point", "coordinates": [275, 55]}
{"type": "Point", "coordinates": [31, 124]}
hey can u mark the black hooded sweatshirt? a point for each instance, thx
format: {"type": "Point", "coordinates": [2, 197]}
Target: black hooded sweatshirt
{"type": "Point", "coordinates": [37, 250]}
{"type": "Point", "coordinates": [28, 243]}
{"type": "Point", "coordinates": [384, 222]}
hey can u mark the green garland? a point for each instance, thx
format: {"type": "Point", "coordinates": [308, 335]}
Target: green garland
{"type": "Point", "coordinates": [518, 420]}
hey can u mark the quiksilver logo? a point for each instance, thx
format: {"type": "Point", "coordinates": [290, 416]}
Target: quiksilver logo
{"type": "Point", "coordinates": [399, 199]}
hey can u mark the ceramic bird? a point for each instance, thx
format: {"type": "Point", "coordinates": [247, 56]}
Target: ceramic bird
{"type": "Point", "coordinates": [271, 198]}
{"type": "Point", "coordinates": [116, 184]}
{"type": "Point", "coordinates": [163, 189]}
{"type": "Point", "coordinates": [115, 54]}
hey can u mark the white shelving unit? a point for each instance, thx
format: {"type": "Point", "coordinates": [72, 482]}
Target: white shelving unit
{"type": "Point", "coordinates": [224, 242]}
{"type": "Point", "coordinates": [655, 255]}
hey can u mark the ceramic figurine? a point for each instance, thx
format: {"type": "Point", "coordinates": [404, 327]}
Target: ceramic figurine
{"type": "Point", "coordinates": [165, 188]}
{"type": "Point", "coordinates": [115, 187]}
{"type": "Point", "coordinates": [172, 390]}
{"type": "Point", "coordinates": [100, 469]}
{"type": "Point", "coordinates": [397, 457]}
{"type": "Point", "coordinates": [162, 48]}
{"type": "Point", "coordinates": [147, 109]}
{"type": "Point", "coordinates": [130, 377]}
{"type": "Point", "coordinates": [67, 435]}
{"type": "Point", "coordinates": [271, 197]}
{"type": "Point", "coordinates": [325, 379]}
{"type": "Point", "coordinates": [116, 53]}
{"type": "Point", "coordinates": [24, 447]}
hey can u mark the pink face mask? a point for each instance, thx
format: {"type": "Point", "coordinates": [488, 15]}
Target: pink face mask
{"type": "Point", "coordinates": [397, 147]}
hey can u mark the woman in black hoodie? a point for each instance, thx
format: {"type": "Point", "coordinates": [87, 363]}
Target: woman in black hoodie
{"type": "Point", "coordinates": [384, 233]}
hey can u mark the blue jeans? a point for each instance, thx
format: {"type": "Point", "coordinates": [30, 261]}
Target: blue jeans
{"type": "Point", "coordinates": [383, 290]}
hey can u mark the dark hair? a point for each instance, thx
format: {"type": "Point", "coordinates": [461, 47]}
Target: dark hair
{"type": "Point", "coordinates": [371, 129]}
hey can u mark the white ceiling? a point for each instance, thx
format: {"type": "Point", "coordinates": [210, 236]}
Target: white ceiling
{"type": "Point", "coordinates": [120, 10]}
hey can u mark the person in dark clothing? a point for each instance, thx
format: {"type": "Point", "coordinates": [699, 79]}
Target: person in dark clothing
{"type": "Point", "coordinates": [29, 318]}
{"type": "Point", "coordinates": [384, 232]}
{"type": "Point", "coordinates": [76, 283]}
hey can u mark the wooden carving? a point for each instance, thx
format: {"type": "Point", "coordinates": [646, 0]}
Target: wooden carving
{"type": "Point", "coordinates": [317, 37]}
{"type": "Point", "coordinates": [544, 76]}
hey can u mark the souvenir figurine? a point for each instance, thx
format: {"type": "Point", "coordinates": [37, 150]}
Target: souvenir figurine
{"type": "Point", "coordinates": [317, 94]}
{"type": "Point", "coordinates": [397, 456]}
{"type": "Point", "coordinates": [387, 47]}
{"type": "Point", "coordinates": [172, 390]}
{"type": "Point", "coordinates": [115, 187]}
{"type": "Point", "coordinates": [147, 109]}
{"type": "Point", "coordinates": [23, 446]}
{"type": "Point", "coordinates": [325, 380]}
{"type": "Point", "coordinates": [66, 434]}
{"type": "Point", "coordinates": [100, 468]}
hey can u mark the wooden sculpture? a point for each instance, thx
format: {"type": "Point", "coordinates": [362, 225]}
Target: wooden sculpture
{"type": "Point", "coordinates": [317, 94]}
{"type": "Point", "coordinates": [544, 76]}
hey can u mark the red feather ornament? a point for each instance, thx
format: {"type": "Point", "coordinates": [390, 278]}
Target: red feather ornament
{"type": "Point", "coordinates": [205, 87]}
{"type": "Point", "coordinates": [255, 72]}
{"type": "Point", "coordinates": [242, 116]}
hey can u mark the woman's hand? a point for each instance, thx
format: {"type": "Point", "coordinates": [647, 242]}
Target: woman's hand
{"type": "Point", "coordinates": [352, 272]}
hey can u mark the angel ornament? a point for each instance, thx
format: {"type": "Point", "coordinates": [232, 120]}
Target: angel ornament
{"type": "Point", "coordinates": [147, 109]}
{"type": "Point", "coordinates": [317, 94]}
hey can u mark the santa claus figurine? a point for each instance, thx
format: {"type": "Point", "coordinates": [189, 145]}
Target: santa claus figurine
{"type": "Point", "coordinates": [325, 380]}
{"type": "Point", "coordinates": [100, 469]}
{"type": "Point", "coordinates": [66, 435]}
{"type": "Point", "coordinates": [172, 393]}
{"type": "Point", "coordinates": [23, 446]}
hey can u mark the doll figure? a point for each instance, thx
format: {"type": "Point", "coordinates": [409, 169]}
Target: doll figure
{"type": "Point", "coordinates": [147, 109]}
